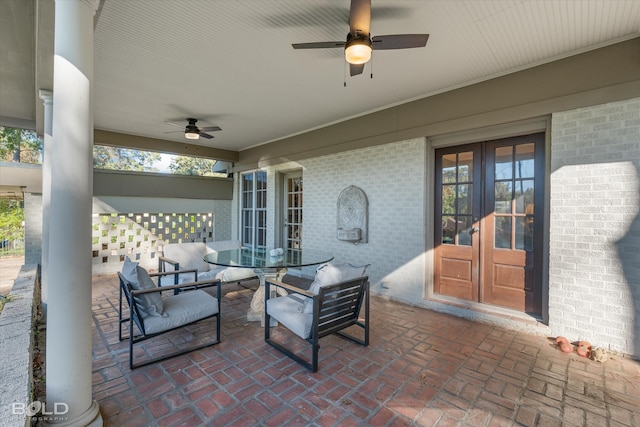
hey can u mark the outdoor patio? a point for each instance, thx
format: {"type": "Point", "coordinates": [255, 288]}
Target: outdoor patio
{"type": "Point", "coordinates": [421, 368]}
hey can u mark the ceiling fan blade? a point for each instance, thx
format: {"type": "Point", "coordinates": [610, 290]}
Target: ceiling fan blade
{"type": "Point", "coordinates": [360, 17]}
{"type": "Point", "coordinates": [210, 129]}
{"type": "Point", "coordinates": [399, 41]}
{"type": "Point", "coordinates": [173, 124]}
{"type": "Point", "coordinates": [318, 45]}
{"type": "Point", "coordinates": [355, 69]}
{"type": "Point", "coordinates": [206, 135]}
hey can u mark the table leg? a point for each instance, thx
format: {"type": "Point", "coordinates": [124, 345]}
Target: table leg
{"type": "Point", "coordinates": [256, 310]}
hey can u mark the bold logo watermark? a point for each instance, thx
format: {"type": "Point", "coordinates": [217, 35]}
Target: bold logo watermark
{"type": "Point", "coordinates": [41, 411]}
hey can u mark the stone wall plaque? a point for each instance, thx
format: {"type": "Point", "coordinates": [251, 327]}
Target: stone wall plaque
{"type": "Point", "coordinates": [353, 213]}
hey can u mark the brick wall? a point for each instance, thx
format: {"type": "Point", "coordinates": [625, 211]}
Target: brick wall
{"type": "Point", "coordinates": [594, 276]}
{"type": "Point", "coordinates": [594, 243]}
{"type": "Point", "coordinates": [32, 228]}
{"type": "Point", "coordinates": [222, 210]}
{"type": "Point", "coordinates": [393, 178]}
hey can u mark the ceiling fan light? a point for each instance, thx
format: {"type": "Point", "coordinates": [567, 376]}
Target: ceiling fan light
{"type": "Point", "coordinates": [357, 51]}
{"type": "Point", "coordinates": [190, 134]}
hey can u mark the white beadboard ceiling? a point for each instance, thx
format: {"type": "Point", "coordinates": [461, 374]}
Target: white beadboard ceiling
{"type": "Point", "coordinates": [230, 63]}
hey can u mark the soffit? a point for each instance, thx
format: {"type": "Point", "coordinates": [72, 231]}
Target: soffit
{"type": "Point", "coordinates": [230, 63]}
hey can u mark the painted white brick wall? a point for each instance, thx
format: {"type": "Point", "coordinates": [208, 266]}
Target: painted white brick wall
{"type": "Point", "coordinates": [594, 245]}
{"type": "Point", "coordinates": [222, 211]}
{"type": "Point", "coordinates": [393, 178]}
{"type": "Point", "coordinates": [594, 266]}
{"type": "Point", "coordinates": [32, 228]}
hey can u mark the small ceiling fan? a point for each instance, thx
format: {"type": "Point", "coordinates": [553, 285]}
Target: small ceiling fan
{"type": "Point", "coordinates": [191, 131]}
{"type": "Point", "coordinates": [359, 43]}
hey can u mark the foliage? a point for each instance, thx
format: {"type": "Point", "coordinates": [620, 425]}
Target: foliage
{"type": "Point", "coordinates": [11, 218]}
{"type": "Point", "coordinates": [3, 300]}
{"type": "Point", "coordinates": [11, 215]}
{"type": "Point", "coordinates": [117, 158]}
{"type": "Point", "coordinates": [19, 145]}
{"type": "Point", "coordinates": [199, 166]}
{"type": "Point", "coordinates": [125, 159]}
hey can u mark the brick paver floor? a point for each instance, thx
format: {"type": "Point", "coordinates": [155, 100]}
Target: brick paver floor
{"type": "Point", "coordinates": [421, 368]}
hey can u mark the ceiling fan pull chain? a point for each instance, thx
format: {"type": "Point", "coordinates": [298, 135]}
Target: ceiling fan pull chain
{"type": "Point", "coordinates": [346, 65]}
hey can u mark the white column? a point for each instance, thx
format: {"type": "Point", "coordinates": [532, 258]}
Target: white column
{"type": "Point", "coordinates": [68, 353]}
{"type": "Point", "coordinates": [47, 98]}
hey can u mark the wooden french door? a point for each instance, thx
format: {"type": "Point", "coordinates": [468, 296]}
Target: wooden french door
{"type": "Point", "coordinates": [457, 207]}
{"type": "Point", "coordinates": [489, 222]}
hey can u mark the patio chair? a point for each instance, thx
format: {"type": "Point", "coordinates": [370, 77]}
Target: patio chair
{"type": "Point", "coordinates": [154, 315]}
{"type": "Point", "coordinates": [324, 309]}
{"type": "Point", "coordinates": [188, 257]}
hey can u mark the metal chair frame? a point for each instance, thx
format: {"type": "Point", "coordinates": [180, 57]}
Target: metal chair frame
{"type": "Point", "coordinates": [135, 314]}
{"type": "Point", "coordinates": [335, 308]}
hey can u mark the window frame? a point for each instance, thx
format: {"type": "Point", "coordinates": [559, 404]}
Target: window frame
{"type": "Point", "coordinates": [253, 209]}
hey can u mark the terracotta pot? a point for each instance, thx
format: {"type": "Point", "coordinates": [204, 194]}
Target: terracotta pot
{"type": "Point", "coordinates": [584, 348]}
{"type": "Point", "coordinates": [564, 345]}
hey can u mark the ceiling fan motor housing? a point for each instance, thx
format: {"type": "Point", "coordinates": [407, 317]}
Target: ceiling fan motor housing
{"type": "Point", "coordinates": [192, 131]}
{"type": "Point", "coordinates": [358, 48]}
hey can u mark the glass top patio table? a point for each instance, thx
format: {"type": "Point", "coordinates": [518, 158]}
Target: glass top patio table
{"type": "Point", "coordinates": [266, 265]}
{"type": "Point", "coordinates": [260, 258]}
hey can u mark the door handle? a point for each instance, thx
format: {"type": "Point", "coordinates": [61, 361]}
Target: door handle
{"type": "Point", "coordinates": [473, 230]}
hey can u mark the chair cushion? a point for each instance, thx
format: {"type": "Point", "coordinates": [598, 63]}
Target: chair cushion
{"type": "Point", "coordinates": [129, 270]}
{"type": "Point", "coordinates": [225, 274]}
{"type": "Point", "coordinates": [149, 304]}
{"type": "Point", "coordinates": [330, 274]}
{"type": "Point", "coordinates": [181, 309]}
{"type": "Point", "coordinates": [169, 279]}
{"type": "Point", "coordinates": [188, 254]}
{"type": "Point", "coordinates": [215, 273]}
{"type": "Point", "coordinates": [152, 302]}
{"type": "Point", "coordinates": [288, 311]}
{"type": "Point", "coordinates": [236, 274]}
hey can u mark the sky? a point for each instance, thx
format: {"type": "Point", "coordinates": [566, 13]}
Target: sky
{"type": "Point", "coordinates": [165, 161]}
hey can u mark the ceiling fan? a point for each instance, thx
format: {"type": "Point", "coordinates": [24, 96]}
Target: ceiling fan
{"type": "Point", "coordinates": [191, 131]}
{"type": "Point", "coordinates": [359, 43]}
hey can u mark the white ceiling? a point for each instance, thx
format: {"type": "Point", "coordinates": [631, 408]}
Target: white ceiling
{"type": "Point", "coordinates": [230, 63]}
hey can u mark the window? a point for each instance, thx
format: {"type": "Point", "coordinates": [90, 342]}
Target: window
{"type": "Point", "coordinates": [254, 209]}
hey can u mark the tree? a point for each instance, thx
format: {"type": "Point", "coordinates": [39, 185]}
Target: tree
{"type": "Point", "coordinates": [198, 166]}
{"type": "Point", "coordinates": [11, 218]}
{"type": "Point", "coordinates": [19, 145]}
{"type": "Point", "coordinates": [117, 158]}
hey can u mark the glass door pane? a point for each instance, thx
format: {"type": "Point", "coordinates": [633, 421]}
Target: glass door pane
{"type": "Point", "coordinates": [514, 181]}
{"type": "Point", "coordinates": [457, 198]}
{"type": "Point", "coordinates": [293, 211]}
